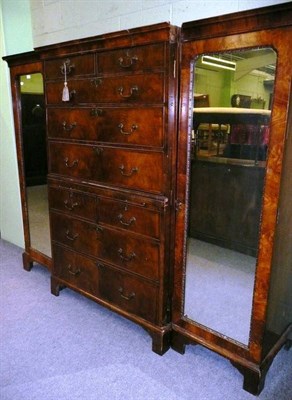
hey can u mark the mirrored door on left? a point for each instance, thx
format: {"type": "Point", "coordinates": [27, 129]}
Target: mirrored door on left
{"type": "Point", "coordinates": [30, 136]}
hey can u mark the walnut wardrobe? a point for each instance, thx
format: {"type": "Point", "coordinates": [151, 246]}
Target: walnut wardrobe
{"type": "Point", "coordinates": [152, 167]}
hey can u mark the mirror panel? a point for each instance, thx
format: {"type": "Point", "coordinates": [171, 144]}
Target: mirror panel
{"type": "Point", "coordinates": [33, 120]}
{"type": "Point", "coordinates": [232, 100]}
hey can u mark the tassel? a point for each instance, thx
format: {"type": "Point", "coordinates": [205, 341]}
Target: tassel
{"type": "Point", "coordinates": [65, 94]}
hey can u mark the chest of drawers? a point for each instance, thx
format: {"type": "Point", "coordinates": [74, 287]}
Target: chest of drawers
{"type": "Point", "coordinates": [111, 156]}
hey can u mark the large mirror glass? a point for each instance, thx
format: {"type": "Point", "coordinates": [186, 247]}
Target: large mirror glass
{"type": "Point", "coordinates": [232, 99]}
{"type": "Point", "coordinates": [33, 119]}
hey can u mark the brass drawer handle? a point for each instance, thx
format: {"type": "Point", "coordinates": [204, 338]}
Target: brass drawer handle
{"type": "Point", "coordinates": [96, 82]}
{"type": "Point", "coordinates": [133, 129]}
{"type": "Point", "coordinates": [128, 61]}
{"type": "Point", "coordinates": [71, 237]}
{"type": "Point", "coordinates": [74, 273]}
{"type": "Point", "coordinates": [124, 257]}
{"type": "Point", "coordinates": [68, 127]}
{"type": "Point", "coordinates": [96, 112]}
{"type": "Point", "coordinates": [125, 296]}
{"type": "Point", "coordinates": [72, 165]}
{"type": "Point", "coordinates": [133, 170]}
{"type": "Point", "coordinates": [133, 91]}
{"type": "Point", "coordinates": [71, 206]}
{"type": "Point", "coordinates": [67, 68]}
{"type": "Point", "coordinates": [126, 223]}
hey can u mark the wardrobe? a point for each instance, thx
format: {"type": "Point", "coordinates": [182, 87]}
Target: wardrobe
{"type": "Point", "coordinates": [143, 183]}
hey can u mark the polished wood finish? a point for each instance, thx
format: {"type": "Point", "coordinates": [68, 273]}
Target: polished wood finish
{"type": "Point", "coordinates": [24, 64]}
{"type": "Point", "coordinates": [111, 152]}
{"type": "Point", "coordinates": [270, 27]}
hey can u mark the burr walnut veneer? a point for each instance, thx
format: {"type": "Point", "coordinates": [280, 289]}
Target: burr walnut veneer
{"type": "Point", "coordinates": [119, 168]}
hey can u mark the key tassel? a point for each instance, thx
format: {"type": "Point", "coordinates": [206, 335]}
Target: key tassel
{"type": "Point", "coordinates": [65, 94]}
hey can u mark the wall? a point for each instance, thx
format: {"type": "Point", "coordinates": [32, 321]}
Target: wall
{"type": "Point", "coordinates": [56, 21]}
{"type": "Point", "coordinates": [34, 23]}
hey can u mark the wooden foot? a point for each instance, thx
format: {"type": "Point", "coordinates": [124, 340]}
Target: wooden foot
{"type": "Point", "coordinates": [26, 261]}
{"type": "Point", "coordinates": [179, 342]}
{"type": "Point", "coordinates": [160, 341]}
{"type": "Point", "coordinates": [56, 286]}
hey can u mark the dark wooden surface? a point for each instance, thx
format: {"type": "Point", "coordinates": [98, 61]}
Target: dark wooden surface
{"type": "Point", "coordinates": [111, 171]}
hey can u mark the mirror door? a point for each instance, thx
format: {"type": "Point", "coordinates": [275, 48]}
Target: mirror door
{"type": "Point", "coordinates": [234, 92]}
{"type": "Point", "coordinates": [30, 136]}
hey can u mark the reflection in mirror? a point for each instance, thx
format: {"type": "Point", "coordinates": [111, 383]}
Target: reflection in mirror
{"type": "Point", "coordinates": [232, 101]}
{"type": "Point", "coordinates": [35, 160]}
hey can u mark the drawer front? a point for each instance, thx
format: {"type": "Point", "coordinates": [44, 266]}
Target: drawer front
{"type": "Point", "coordinates": [77, 270]}
{"type": "Point", "coordinates": [132, 253]}
{"type": "Point", "coordinates": [147, 88]}
{"type": "Point", "coordinates": [125, 168]}
{"type": "Point", "coordinates": [138, 126]}
{"type": "Point", "coordinates": [129, 293]}
{"type": "Point", "coordinates": [73, 202]}
{"type": "Point", "coordinates": [138, 59]}
{"type": "Point", "coordinates": [83, 65]}
{"type": "Point", "coordinates": [128, 217]}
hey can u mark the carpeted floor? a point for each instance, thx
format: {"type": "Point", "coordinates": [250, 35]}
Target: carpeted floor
{"type": "Point", "coordinates": [69, 348]}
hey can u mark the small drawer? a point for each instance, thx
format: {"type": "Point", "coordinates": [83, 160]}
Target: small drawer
{"type": "Point", "coordinates": [80, 272]}
{"type": "Point", "coordinates": [128, 293]}
{"type": "Point", "coordinates": [133, 169]}
{"type": "Point", "coordinates": [148, 88]}
{"type": "Point", "coordinates": [140, 58]}
{"type": "Point", "coordinates": [73, 202]}
{"type": "Point", "coordinates": [134, 126]}
{"type": "Point", "coordinates": [129, 252]}
{"type": "Point", "coordinates": [129, 217]}
{"type": "Point", "coordinates": [83, 65]}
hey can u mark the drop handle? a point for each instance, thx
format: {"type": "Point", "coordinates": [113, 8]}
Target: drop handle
{"type": "Point", "coordinates": [122, 171]}
{"type": "Point", "coordinates": [69, 205]}
{"type": "Point", "coordinates": [134, 127]}
{"type": "Point", "coordinates": [73, 164]}
{"type": "Point", "coordinates": [125, 257]}
{"type": "Point", "coordinates": [127, 297]}
{"type": "Point", "coordinates": [128, 61]}
{"type": "Point", "coordinates": [131, 221]}
{"type": "Point", "coordinates": [69, 127]}
{"type": "Point", "coordinates": [132, 92]}
{"type": "Point", "coordinates": [73, 272]}
{"type": "Point", "coordinates": [67, 67]}
{"type": "Point", "coordinates": [70, 236]}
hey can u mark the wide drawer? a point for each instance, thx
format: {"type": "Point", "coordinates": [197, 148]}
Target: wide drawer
{"type": "Point", "coordinates": [138, 126]}
{"type": "Point", "coordinates": [147, 88]}
{"type": "Point", "coordinates": [79, 271]}
{"type": "Point", "coordinates": [82, 65]}
{"type": "Point", "coordinates": [124, 215]}
{"type": "Point", "coordinates": [133, 169]}
{"type": "Point", "coordinates": [73, 202]}
{"type": "Point", "coordinates": [129, 293]}
{"type": "Point", "coordinates": [130, 252]}
{"type": "Point", "coordinates": [132, 59]}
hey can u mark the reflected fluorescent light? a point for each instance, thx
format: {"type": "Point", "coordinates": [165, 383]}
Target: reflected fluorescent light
{"type": "Point", "coordinates": [219, 62]}
{"type": "Point", "coordinates": [28, 76]}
